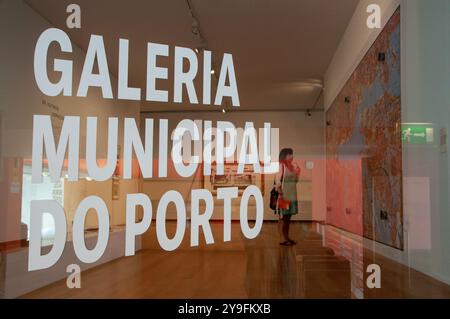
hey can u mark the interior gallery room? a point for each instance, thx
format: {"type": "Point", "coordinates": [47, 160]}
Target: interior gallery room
{"type": "Point", "coordinates": [224, 149]}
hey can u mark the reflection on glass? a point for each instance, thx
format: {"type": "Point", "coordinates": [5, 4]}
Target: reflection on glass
{"type": "Point", "coordinates": [43, 191]}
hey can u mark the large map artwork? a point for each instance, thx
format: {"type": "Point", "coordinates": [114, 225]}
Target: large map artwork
{"type": "Point", "coordinates": [364, 151]}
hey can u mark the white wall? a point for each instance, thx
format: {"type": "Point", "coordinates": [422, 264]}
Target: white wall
{"type": "Point", "coordinates": [425, 99]}
{"type": "Point", "coordinates": [20, 27]}
{"type": "Point", "coordinates": [304, 134]}
{"type": "Point", "coordinates": [20, 99]}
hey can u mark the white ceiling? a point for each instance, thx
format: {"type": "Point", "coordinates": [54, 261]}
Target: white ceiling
{"type": "Point", "coordinates": [280, 47]}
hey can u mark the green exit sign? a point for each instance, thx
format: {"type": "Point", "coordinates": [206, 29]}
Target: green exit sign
{"type": "Point", "coordinates": [417, 133]}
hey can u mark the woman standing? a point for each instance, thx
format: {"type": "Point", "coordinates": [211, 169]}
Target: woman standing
{"type": "Point", "coordinates": [286, 183]}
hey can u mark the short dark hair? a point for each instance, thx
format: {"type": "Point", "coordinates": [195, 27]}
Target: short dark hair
{"type": "Point", "coordinates": [284, 153]}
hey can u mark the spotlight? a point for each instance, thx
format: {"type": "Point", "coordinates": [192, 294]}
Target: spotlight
{"type": "Point", "coordinates": [223, 111]}
{"type": "Point", "coordinates": [195, 28]}
{"type": "Point", "coordinates": [212, 71]}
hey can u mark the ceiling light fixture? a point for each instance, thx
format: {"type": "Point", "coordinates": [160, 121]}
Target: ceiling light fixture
{"type": "Point", "coordinates": [199, 38]}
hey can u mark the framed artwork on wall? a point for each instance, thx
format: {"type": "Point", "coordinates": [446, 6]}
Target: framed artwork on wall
{"type": "Point", "coordinates": [364, 145]}
{"type": "Point", "coordinates": [231, 178]}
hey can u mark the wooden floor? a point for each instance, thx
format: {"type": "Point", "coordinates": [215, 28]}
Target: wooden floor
{"type": "Point", "coordinates": [258, 268]}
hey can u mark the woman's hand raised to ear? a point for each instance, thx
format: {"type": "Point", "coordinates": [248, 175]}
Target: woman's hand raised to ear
{"type": "Point", "coordinates": [297, 169]}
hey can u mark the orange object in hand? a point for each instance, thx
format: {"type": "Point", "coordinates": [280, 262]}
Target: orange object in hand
{"type": "Point", "coordinates": [283, 203]}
